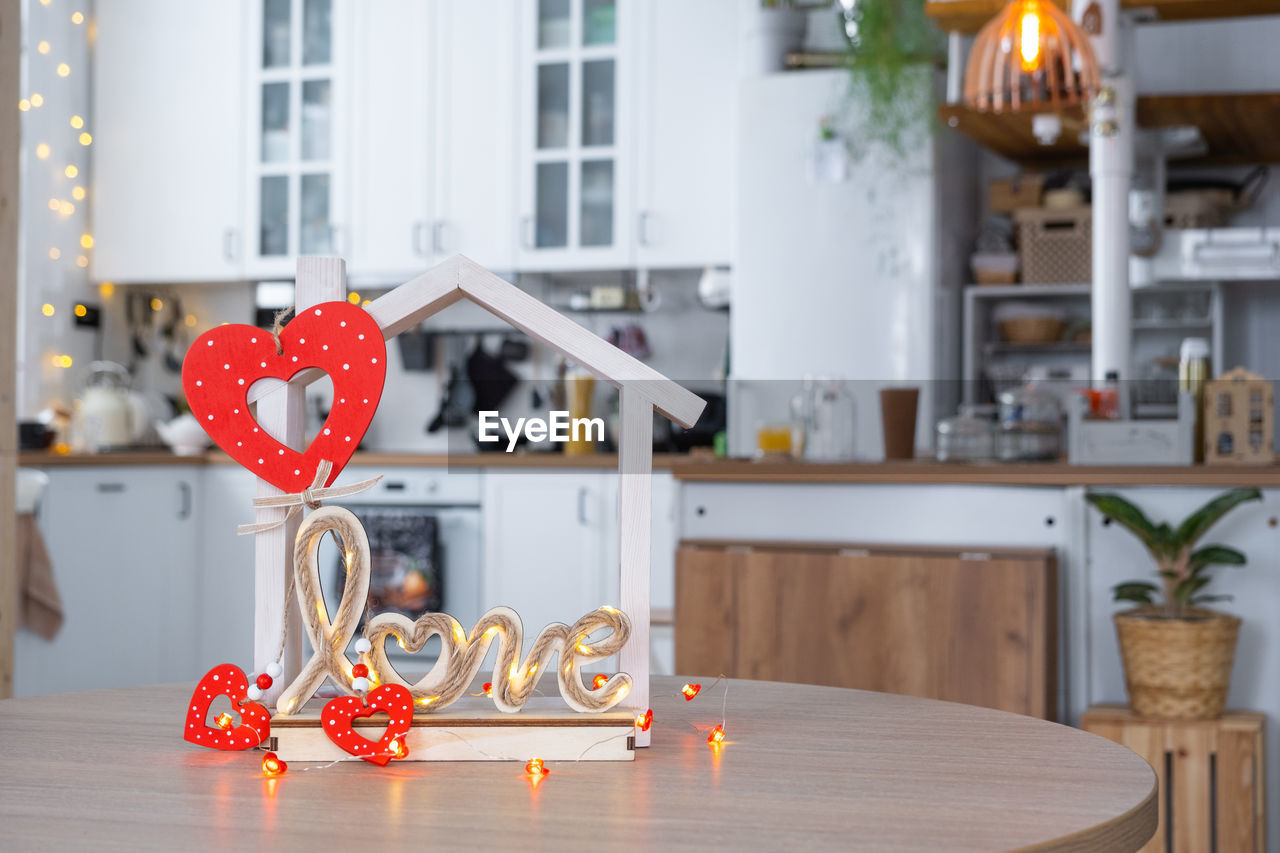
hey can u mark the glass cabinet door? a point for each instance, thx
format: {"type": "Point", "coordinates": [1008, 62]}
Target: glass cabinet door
{"type": "Point", "coordinates": [294, 152]}
{"type": "Point", "coordinates": [575, 125]}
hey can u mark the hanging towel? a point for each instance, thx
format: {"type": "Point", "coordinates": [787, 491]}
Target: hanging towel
{"type": "Point", "coordinates": [37, 591]}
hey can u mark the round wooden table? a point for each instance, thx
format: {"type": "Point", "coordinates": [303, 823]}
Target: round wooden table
{"type": "Point", "coordinates": [803, 767]}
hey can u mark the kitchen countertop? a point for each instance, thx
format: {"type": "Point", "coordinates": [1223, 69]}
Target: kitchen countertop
{"type": "Point", "coordinates": [700, 469]}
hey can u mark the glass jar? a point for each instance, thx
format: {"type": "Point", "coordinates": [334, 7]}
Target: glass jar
{"type": "Point", "coordinates": [967, 437]}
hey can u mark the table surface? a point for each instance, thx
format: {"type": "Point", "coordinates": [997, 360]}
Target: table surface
{"type": "Point", "coordinates": [804, 767]}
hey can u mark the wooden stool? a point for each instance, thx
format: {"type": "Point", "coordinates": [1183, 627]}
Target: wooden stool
{"type": "Point", "coordinates": [1211, 773]}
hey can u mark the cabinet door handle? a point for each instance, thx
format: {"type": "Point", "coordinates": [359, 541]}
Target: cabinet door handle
{"type": "Point", "coordinates": [419, 228]}
{"type": "Point", "coordinates": [230, 245]}
{"type": "Point", "coordinates": [642, 228]}
{"type": "Point", "coordinates": [111, 488]}
{"type": "Point", "coordinates": [437, 236]}
{"type": "Point", "coordinates": [582, 505]}
{"type": "Point", "coordinates": [526, 231]}
{"type": "Point", "coordinates": [184, 509]}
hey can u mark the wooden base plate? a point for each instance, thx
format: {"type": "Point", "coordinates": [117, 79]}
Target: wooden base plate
{"type": "Point", "coordinates": [545, 729]}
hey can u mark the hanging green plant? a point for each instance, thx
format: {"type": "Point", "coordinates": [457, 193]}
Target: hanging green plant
{"type": "Point", "coordinates": [892, 44]}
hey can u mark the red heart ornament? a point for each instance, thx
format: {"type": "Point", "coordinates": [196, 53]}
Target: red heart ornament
{"type": "Point", "coordinates": [228, 680]}
{"type": "Point", "coordinates": [337, 337]}
{"type": "Point", "coordinates": [393, 699]}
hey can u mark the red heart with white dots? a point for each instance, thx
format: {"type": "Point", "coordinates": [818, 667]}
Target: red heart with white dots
{"type": "Point", "coordinates": [337, 337]}
{"type": "Point", "coordinates": [228, 680]}
{"type": "Point", "coordinates": [392, 699]}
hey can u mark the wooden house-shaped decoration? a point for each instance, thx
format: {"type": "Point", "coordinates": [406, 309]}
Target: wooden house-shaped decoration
{"type": "Point", "coordinates": [642, 390]}
{"type": "Point", "coordinates": [1239, 419]}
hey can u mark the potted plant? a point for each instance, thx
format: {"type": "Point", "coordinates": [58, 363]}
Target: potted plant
{"type": "Point", "coordinates": [1177, 655]}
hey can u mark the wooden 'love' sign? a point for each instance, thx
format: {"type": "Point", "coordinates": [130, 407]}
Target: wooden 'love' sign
{"type": "Point", "coordinates": [461, 654]}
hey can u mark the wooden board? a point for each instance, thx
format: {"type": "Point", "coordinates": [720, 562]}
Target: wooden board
{"type": "Point", "coordinates": [1238, 128]}
{"type": "Point", "coordinates": [968, 16]}
{"type": "Point", "coordinates": [10, 143]}
{"type": "Point", "coordinates": [1211, 774]}
{"type": "Point", "coordinates": [978, 628]}
{"type": "Point", "coordinates": [474, 731]}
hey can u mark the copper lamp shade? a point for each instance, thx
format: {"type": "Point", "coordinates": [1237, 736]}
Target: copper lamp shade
{"type": "Point", "coordinates": [1031, 56]}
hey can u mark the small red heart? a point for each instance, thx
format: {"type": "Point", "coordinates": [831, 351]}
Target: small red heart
{"type": "Point", "coordinates": [337, 337]}
{"type": "Point", "coordinates": [392, 699]}
{"type": "Point", "coordinates": [226, 680]}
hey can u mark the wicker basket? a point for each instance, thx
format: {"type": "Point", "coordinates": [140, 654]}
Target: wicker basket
{"type": "Point", "coordinates": [1032, 330]}
{"type": "Point", "coordinates": [1177, 669]}
{"type": "Point", "coordinates": [1055, 246]}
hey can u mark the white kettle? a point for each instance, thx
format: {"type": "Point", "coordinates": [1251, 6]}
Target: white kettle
{"type": "Point", "coordinates": [105, 414]}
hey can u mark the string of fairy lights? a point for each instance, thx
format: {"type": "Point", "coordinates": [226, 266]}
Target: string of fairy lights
{"type": "Point", "coordinates": [60, 142]}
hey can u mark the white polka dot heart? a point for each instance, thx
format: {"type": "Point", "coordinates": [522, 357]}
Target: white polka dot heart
{"type": "Point", "coordinates": [338, 338]}
{"type": "Point", "coordinates": [390, 699]}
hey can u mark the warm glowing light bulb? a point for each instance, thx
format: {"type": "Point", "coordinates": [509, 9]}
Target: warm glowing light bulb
{"type": "Point", "coordinates": [43, 47]}
{"type": "Point", "coordinates": [353, 298]}
{"type": "Point", "coordinates": [46, 309]}
{"type": "Point", "coordinates": [24, 105]}
{"type": "Point", "coordinates": [224, 721]}
{"type": "Point", "coordinates": [716, 737]}
{"type": "Point", "coordinates": [272, 765]}
{"type": "Point", "coordinates": [190, 320]}
{"type": "Point", "coordinates": [690, 690]}
{"type": "Point", "coordinates": [81, 310]}
{"type": "Point", "coordinates": [86, 139]}
{"type": "Point", "coordinates": [156, 303]}
{"type": "Point", "coordinates": [77, 122]}
{"type": "Point", "coordinates": [77, 18]}
{"type": "Point", "coordinates": [54, 204]}
{"type": "Point", "coordinates": [535, 767]}
{"type": "Point", "coordinates": [82, 261]}
{"type": "Point", "coordinates": [63, 69]}
{"type": "Point", "coordinates": [77, 193]}
{"type": "Point", "coordinates": [42, 151]}
{"type": "Point", "coordinates": [37, 99]}
{"type": "Point", "coordinates": [54, 254]}
{"type": "Point", "coordinates": [86, 240]}
{"type": "Point", "coordinates": [106, 289]}
{"type": "Point", "coordinates": [71, 171]}
{"type": "Point", "coordinates": [66, 208]}
{"type": "Point", "coordinates": [487, 687]}
{"type": "Point", "coordinates": [398, 748]}
{"type": "Point", "coordinates": [45, 2]}
{"type": "Point", "coordinates": [365, 304]}
{"type": "Point", "coordinates": [599, 681]}
{"type": "Point", "coordinates": [645, 720]}
{"type": "Point", "coordinates": [1029, 37]}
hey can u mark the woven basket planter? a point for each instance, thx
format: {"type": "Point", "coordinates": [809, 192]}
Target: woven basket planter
{"type": "Point", "coordinates": [1177, 669]}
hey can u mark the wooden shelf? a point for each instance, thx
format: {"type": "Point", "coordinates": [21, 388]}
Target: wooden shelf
{"type": "Point", "coordinates": [968, 16]}
{"type": "Point", "coordinates": [1238, 128]}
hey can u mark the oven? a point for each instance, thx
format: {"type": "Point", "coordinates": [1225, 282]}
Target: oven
{"type": "Point", "coordinates": [424, 535]}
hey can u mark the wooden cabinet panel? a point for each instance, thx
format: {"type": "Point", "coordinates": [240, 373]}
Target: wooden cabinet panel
{"type": "Point", "coordinates": [973, 627]}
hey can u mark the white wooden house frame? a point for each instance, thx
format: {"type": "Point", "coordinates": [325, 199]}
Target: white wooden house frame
{"type": "Point", "coordinates": [281, 412]}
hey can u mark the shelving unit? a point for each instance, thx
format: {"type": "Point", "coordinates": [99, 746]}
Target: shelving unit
{"type": "Point", "coordinates": [968, 16]}
{"type": "Point", "coordinates": [1162, 316]}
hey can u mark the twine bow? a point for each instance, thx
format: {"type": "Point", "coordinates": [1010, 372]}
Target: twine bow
{"type": "Point", "coordinates": [309, 497]}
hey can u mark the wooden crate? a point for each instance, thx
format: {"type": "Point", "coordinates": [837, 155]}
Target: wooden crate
{"type": "Point", "coordinates": [1211, 774]}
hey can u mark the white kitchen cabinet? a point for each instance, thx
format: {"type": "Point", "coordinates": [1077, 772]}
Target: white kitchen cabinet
{"type": "Point", "coordinates": [226, 581]}
{"type": "Point", "coordinates": [124, 543]}
{"type": "Point", "coordinates": [167, 195]}
{"type": "Point", "coordinates": [685, 143]}
{"type": "Point", "coordinates": [626, 133]}
{"type": "Point", "coordinates": [433, 168]}
{"type": "Point", "coordinates": [550, 544]}
{"type": "Point", "coordinates": [296, 149]}
{"type": "Point", "coordinates": [576, 140]}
